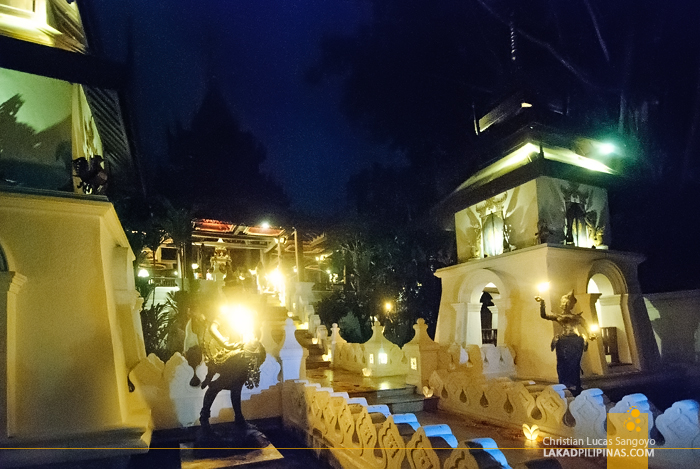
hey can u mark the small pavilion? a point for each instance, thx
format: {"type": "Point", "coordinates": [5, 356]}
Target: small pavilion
{"type": "Point", "coordinates": [537, 216]}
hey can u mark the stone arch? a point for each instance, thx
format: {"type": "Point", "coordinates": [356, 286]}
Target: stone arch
{"type": "Point", "coordinates": [614, 283]}
{"type": "Point", "coordinates": [608, 288]}
{"type": "Point", "coordinates": [474, 283]}
{"type": "Point", "coordinates": [468, 328]}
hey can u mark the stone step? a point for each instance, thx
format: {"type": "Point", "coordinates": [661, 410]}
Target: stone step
{"type": "Point", "coordinates": [315, 358]}
{"type": "Point", "coordinates": [399, 400]}
{"type": "Point", "coordinates": [317, 364]}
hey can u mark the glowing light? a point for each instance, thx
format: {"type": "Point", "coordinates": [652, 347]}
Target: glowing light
{"type": "Point", "coordinates": [265, 225]}
{"type": "Point", "coordinates": [143, 273]}
{"type": "Point", "coordinates": [220, 241]}
{"type": "Point", "coordinates": [314, 340]}
{"type": "Point", "coordinates": [276, 278]}
{"type": "Point", "coordinates": [371, 359]}
{"type": "Point", "coordinates": [594, 328]}
{"type": "Point", "coordinates": [531, 433]}
{"type": "Point", "coordinates": [427, 391]}
{"type": "Point", "coordinates": [543, 287]}
{"type": "Point", "coordinates": [366, 372]}
{"type": "Point", "coordinates": [290, 314]}
{"type": "Point", "coordinates": [414, 363]}
{"type": "Point", "coordinates": [240, 319]}
{"type": "Point", "coordinates": [606, 148]}
{"type": "Point", "coordinates": [383, 358]}
{"type": "Point", "coordinates": [327, 357]}
{"type": "Point", "coordinates": [175, 273]}
{"type": "Point", "coordinates": [523, 104]}
{"type": "Point", "coordinates": [195, 266]}
{"type": "Point", "coordinates": [388, 306]}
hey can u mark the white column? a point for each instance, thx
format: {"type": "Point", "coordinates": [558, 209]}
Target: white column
{"type": "Point", "coordinates": [291, 354]}
{"type": "Point", "coordinates": [473, 335]}
{"type": "Point", "coordinates": [460, 330]}
{"type": "Point", "coordinates": [501, 320]}
{"type": "Point", "coordinates": [10, 284]}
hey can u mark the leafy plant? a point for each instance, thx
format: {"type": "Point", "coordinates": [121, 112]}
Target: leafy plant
{"type": "Point", "coordinates": [155, 322]}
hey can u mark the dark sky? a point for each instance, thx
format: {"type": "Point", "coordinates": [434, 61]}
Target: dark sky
{"type": "Point", "coordinates": [258, 51]}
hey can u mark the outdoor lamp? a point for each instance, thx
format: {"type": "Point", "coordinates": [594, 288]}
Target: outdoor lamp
{"type": "Point", "coordinates": [543, 287]}
{"type": "Point", "coordinates": [606, 148]}
{"type": "Point", "coordinates": [240, 319]}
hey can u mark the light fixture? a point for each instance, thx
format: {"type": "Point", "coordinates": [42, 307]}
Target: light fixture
{"type": "Point", "coordinates": [387, 306]}
{"type": "Point", "coordinates": [143, 273]}
{"type": "Point", "coordinates": [543, 287]}
{"type": "Point", "coordinates": [265, 225]}
{"type": "Point", "coordinates": [195, 266]}
{"type": "Point", "coordinates": [594, 328]}
{"type": "Point", "coordinates": [606, 148]}
{"type": "Point", "coordinates": [241, 321]}
{"type": "Point", "coordinates": [524, 104]}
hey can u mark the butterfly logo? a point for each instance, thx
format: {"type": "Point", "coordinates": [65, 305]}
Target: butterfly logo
{"type": "Point", "coordinates": [531, 432]}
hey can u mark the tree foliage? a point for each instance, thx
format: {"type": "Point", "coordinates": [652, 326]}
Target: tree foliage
{"type": "Point", "coordinates": [385, 264]}
{"type": "Point", "coordinates": [418, 72]}
{"type": "Point", "coordinates": [215, 166]}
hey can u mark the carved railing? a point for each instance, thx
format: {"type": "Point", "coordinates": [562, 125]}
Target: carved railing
{"type": "Point", "coordinates": [174, 403]}
{"type": "Point", "coordinates": [360, 436]}
{"type": "Point", "coordinates": [556, 412]}
{"type": "Point", "coordinates": [380, 357]}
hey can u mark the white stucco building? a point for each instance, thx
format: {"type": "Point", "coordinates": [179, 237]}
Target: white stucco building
{"type": "Point", "coordinates": [539, 214]}
{"type": "Point", "coordinates": [70, 330]}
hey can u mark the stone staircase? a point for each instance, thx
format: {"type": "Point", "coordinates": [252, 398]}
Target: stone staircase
{"type": "Point", "coordinates": [399, 400]}
{"type": "Point", "coordinates": [315, 359]}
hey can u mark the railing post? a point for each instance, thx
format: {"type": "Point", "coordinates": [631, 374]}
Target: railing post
{"type": "Point", "coordinates": [291, 354]}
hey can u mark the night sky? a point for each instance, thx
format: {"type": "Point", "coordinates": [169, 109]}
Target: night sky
{"type": "Point", "coordinates": [330, 87]}
{"type": "Point", "coordinates": [258, 52]}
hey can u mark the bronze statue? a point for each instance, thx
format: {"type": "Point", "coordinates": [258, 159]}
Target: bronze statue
{"type": "Point", "coordinates": [570, 343]}
{"type": "Point", "coordinates": [93, 177]}
{"type": "Point", "coordinates": [237, 364]}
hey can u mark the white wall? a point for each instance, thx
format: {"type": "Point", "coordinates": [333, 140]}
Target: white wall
{"type": "Point", "coordinates": [75, 330]}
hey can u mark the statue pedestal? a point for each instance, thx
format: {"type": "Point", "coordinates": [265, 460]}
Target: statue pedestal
{"type": "Point", "coordinates": [229, 446]}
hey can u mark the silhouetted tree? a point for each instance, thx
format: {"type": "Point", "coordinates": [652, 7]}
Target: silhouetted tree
{"type": "Point", "coordinates": [216, 166]}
